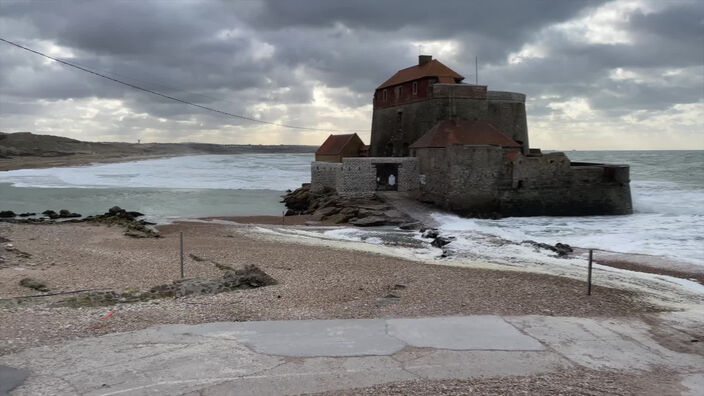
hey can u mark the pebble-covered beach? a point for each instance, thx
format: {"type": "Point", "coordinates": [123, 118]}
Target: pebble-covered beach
{"type": "Point", "coordinates": [314, 282]}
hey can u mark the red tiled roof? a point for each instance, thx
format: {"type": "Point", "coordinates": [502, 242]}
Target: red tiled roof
{"type": "Point", "coordinates": [334, 144]}
{"type": "Point", "coordinates": [448, 132]}
{"type": "Point", "coordinates": [430, 69]}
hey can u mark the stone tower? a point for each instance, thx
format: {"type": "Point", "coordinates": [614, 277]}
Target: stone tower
{"type": "Point", "coordinates": [415, 99]}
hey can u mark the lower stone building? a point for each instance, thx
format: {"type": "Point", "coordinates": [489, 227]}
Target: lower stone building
{"type": "Point", "coordinates": [362, 177]}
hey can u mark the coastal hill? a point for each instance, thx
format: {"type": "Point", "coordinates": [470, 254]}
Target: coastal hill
{"type": "Point", "coordinates": [27, 150]}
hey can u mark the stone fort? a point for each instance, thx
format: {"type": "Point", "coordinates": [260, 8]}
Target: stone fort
{"type": "Point", "coordinates": [463, 148]}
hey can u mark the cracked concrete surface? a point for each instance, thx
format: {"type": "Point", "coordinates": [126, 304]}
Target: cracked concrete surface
{"type": "Point", "coordinates": [291, 357]}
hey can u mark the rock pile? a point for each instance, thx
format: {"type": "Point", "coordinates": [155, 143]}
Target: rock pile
{"type": "Point", "coordinates": [121, 217]}
{"type": "Point", "coordinates": [114, 216]}
{"type": "Point", "coordinates": [439, 241]}
{"type": "Point", "coordinates": [9, 216]}
{"type": "Point", "coordinates": [63, 214]}
{"type": "Point", "coordinates": [327, 206]}
{"type": "Point", "coordinates": [562, 249]}
{"type": "Point", "coordinates": [249, 277]}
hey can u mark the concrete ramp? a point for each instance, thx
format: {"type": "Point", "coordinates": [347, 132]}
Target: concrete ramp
{"type": "Point", "coordinates": [406, 204]}
{"type": "Point", "coordinates": [307, 356]}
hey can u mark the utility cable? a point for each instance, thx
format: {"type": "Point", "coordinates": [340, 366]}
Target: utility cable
{"type": "Point", "coordinates": [137, 87]}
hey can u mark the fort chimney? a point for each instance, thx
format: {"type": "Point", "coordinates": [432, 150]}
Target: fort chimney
{"type": "Point", "coordinates": [423, 59]}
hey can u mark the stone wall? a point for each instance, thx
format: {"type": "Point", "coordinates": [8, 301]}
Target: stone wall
{"type": "Point", "coordinates": [552, 186]}
{"type": "Point", "coordinates": [474, 175]}
{"type": "Point", "coordinates": [474, 180]}
{"type": "Point", "coordinates": [324, 174]}
{"type": "Point", "coordinates": [356, 177]}
{"type": "Point", "coordinates": [433, 169]}
{"type": "Point", "coordinates": [507, 110]}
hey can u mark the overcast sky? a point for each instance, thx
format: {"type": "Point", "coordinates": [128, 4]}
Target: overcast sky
{"type": "Point", "coordinates": [598, 74]}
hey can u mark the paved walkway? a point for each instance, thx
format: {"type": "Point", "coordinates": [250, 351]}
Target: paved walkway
{"type": "Point", "coordinates": [290, 357]}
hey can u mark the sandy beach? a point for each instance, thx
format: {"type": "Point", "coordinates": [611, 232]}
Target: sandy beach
{"type": "Point", "coordinates": [315, 282]}
{"type": "Point", "coordinates": [317, 279]}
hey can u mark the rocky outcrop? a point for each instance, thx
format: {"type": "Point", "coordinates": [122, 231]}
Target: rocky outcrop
{"type": "Point", "coordinates": [63, 214]}
{"type": "Point", "coordinates": [329, 207]}
{"type": "Point", "coordinates": [134, 228]}
{"type": "Point", "coordinates": [439, 241]}
{"type": "Point", "coordinates": [562, 249]}
{"type": "Point", "coordinates": [249, 277]}
{"type": "Point", "coordinates": [7, 214]}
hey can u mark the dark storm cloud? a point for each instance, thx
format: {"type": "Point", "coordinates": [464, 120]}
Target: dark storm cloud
{"type": "Point", "coordinates": [497, 18]}
{"type": "Point", "coordinates": [234, 55]}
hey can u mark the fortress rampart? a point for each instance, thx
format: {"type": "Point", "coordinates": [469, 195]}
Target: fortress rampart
{"type": "Point", "coordinates": [472, 180]}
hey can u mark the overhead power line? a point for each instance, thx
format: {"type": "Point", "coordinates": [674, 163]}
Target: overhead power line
{"type": "Point", "coordinates": [137, 87]}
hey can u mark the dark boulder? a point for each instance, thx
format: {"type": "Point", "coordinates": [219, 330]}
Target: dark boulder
{"type": "Point", "coordinates": [430, 233]}
{"type": "Point", "coordinates": [50, 214]}
{"type": "Point", "coordinates": [562, 249]}
{"type": "Point", "coordinates": [7, 214]}
{"type": "Point", "coordinates": [66, 214]}
{"type": "Point", "coordinates": [441, 241]}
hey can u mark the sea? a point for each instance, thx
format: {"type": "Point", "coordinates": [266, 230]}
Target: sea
{"type": "Point", "coordinates": [667, 189]}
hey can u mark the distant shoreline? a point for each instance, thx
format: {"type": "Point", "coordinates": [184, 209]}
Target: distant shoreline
{"type": "Point", "coordinates": [24, 150]}
{"type": "Point", "coordinates": [16, 163]}
{"type": "Point", "coordinates": [31, 162]}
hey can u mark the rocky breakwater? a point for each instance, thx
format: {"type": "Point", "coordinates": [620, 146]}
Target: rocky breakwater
{"type": "Point", "coordinates": [327, 206]}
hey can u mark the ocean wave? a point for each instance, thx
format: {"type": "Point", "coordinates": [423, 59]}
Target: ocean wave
{"type": "Point", "coordinates": [219, 172]}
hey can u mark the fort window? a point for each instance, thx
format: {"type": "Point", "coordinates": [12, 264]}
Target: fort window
{"type": "Point", "coordinates": [415, 88]}
{"type": "Point", "coordinates": [384, 95]}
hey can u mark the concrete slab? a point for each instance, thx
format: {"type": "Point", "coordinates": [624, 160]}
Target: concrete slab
{"type": "Point", "coordinates": [136, 363]}
{"type": "Point", "coordinates": [315, 375]}
{"type": "Point", "coordinates": [11, 378]}
{"type": "Point", "coordinates": [624, 344]}
{"type": "Point", "coordinates": [694, 384]}
{"type": "Point", "coordinates": [444, 364]}
{"type": "Point", "coordinates": [291, 357]}
{"type": "Point", "coordinates": [303, 337]}
{"type": "Point", "coordinates": [478, 332]}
